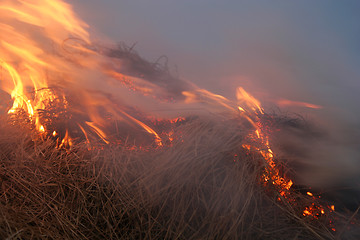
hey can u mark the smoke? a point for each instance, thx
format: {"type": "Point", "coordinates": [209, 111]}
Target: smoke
{"type": "Point", "coordinates": [276, 51]}
{"type": "Point", "coordinates": [299, 51]}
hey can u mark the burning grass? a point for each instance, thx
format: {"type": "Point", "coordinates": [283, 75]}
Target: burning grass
{"type": "Point", "coordinates": [83, 157]}
{"type": "Point", "coordinates": [203, 186]}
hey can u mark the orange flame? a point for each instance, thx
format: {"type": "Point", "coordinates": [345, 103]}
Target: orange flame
{"type": "Point", "coordinates": [250, 101]}
{"type": "Point", "coordinates": [24, 59]}
{"type": "Point", "coordinates": [28, 63]}
{"type": "Point", "coordinates": [99, 132]}
{"type": "Point", "coordinates": [31, 31]}
{"type": "Point", "coordinates": [285, 102]}
{"type": "Point", "coordinates": [204, 96]}
{"type": "Point", "coordinates": [272, 173]}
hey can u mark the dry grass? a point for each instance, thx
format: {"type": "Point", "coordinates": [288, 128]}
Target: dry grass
{"type": "Point", "coordinates": [195, 189]}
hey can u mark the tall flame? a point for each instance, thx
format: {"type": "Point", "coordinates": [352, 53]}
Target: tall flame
{"type": "Point", "coordinates": [45, 45]}
{"type": "Point", "coordinates": [29, 30]}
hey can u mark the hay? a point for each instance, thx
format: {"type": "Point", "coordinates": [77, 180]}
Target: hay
{"type": "Point", "coordinates": [204, 186]}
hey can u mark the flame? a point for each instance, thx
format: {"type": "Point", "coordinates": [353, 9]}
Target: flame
{"type": "Point", "coordinates": [24, 59]}
{"type": "Point", "coordinates": [41, 128]}
{"type": "Point", "coordinates": [250, 101]}
{"type": "Point", "coordinates": [285, 102]}
{"type": "Point", "coordinates": [39, 39]}
{"type": "Point", "coordinates": [66, 141]}
{"type": "Point", "coordinates": [132, 83]}
{"type": "Point", "coordinates": [55, 16]}
{"type": "Point", "coordinates": [158, 140]}
{"type": "Point", "coordinates": [99, 132]}
{"type": "Point", "coordinates": [252, 111]}
{"type": "Point", "coordinates": [204, 96]}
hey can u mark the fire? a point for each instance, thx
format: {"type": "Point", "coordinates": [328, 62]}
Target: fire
{"type": "Point", "coordinates": [35, 59]}
{"type": "Point", "coordinates": [202, 95]}
{"type": "Point", "coordinates": [250, 101]}
{"type": "Point", "coordinates": [285, 102]}
{"type": "Point", "coordinates": [55, 16]}
{"type": "Point", "coordinates": [42, 129]}
{"type": "Point", "coordinates": [23, 59]}
{"type": "Point", "coordinates": [99, 132]}
{"type": "Point", "coordinates": [43, 46]}
{"type": "Point", "coordinates": [253, 111]}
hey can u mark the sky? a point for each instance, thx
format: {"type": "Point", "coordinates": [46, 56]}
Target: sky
{"type": "Point", "coordinates": [298, 50]}
{"type": "Point", "coordinates": [304, 50]}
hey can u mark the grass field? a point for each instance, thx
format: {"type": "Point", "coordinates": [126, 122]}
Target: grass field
{"type": "Point", "coordinates": [204, 186]}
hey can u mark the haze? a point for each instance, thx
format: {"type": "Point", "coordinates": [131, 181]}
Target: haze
{"type": "Point", "coordinates": [297, 50]}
